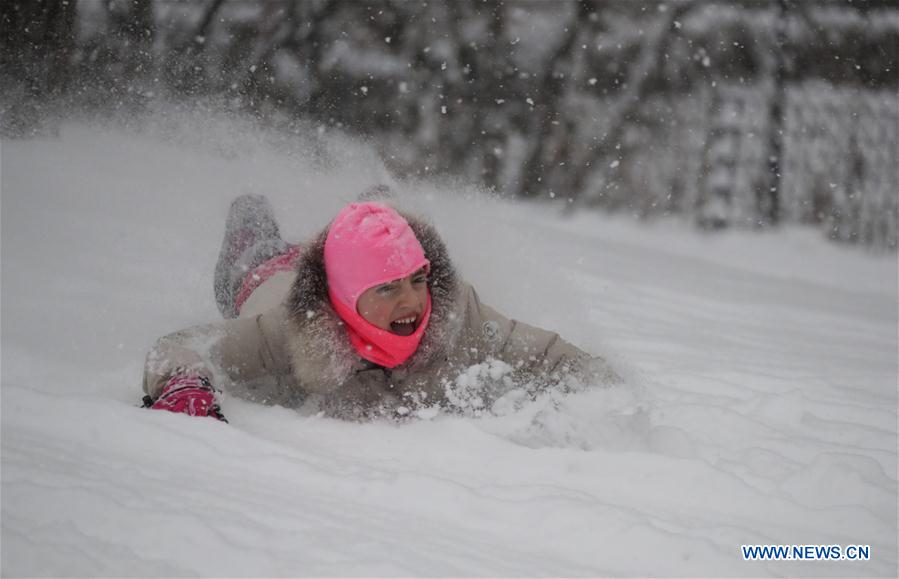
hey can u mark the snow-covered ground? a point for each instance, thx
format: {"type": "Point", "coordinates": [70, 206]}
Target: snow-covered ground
{"type": "Point", "coordinates": [760, 404]}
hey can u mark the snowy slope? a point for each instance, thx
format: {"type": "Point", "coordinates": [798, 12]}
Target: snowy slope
{"type": "Point", "coordinates": [760, 405]}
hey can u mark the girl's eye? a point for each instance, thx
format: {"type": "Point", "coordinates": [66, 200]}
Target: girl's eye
{"type": "Point", "coordinates": [420, 279]}
{"type": "Point", "coordinates": [385, 289]}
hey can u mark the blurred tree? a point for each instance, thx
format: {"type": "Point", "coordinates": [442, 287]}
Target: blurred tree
{"type": "Point", "coordinates": [645, 74]}
{"type": "Point", "coordinates": [36, 44]}
{"type": "Point", "coordinates": [768, 193]}
{"type": "Point", "coordinates": [606, 103]}
{"type": "Point", "coordinates": [547, 92]}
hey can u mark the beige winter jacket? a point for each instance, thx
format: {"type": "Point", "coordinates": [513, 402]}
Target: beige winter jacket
{"type": "Point", "coordinates": [289, 346]}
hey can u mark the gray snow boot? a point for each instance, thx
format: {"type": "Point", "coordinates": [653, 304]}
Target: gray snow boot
{"type": "Point", "coordinates": [251, 238]}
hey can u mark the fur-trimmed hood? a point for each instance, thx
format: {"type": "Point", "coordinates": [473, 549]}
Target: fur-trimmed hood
{"type": "Point", "coordinates": [322, 357]}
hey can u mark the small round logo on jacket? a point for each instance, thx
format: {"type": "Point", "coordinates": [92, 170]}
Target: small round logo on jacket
{"type": "Point", "coordinates": [491, 330]}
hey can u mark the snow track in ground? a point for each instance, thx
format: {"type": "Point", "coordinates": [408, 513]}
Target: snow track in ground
{"type": "Point", "coordinates": [760, 404]}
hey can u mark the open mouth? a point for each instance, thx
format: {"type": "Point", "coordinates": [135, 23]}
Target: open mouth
{"type": "Point", "coordinates": [404, 326]}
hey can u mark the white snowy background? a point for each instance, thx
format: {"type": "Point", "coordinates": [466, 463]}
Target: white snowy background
{"type": "Point", "coordinates": [760, 405]}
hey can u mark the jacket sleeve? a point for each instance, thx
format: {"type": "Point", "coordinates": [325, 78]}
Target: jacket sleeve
{"type": "Point", "coordinates": [535, 354]}
{"type": "Point", "coordinates": [233, 351]}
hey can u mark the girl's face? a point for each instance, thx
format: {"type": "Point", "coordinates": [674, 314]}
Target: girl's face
{"type": "Point", "coordinates": [396, 306]}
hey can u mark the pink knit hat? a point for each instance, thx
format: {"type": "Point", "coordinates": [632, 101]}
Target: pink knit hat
{"type": "Point", "coordinates": [369, 244]}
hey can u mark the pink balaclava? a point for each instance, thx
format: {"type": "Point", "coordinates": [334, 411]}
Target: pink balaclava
{"type": "Point", "coordinates": [369, 244]}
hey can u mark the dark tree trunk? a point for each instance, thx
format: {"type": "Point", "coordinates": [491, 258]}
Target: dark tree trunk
{"type": "Point", "coordinates": [483, 90]}
{"type": "Point", "coordinates": [36, 43]}
{"type": "Point", "coordinates": [546, 114]}
{"type": "Point", "coordinates": [134, 26]}
{"type": "Point", "coordinates": [768, 195]}
{"type": "Point", "coordinates": [641, 78]}
{"type": "Point", "coordinates": [203, 25]}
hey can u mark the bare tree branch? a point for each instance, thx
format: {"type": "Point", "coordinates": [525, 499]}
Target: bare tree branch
{"type": "Point", "coordinates": [547, 97]}
{"type": "Point", "coordinates": [640, 77]}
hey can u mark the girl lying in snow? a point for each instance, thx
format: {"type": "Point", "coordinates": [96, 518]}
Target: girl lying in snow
{"type": "Point", "coordinates": [370, 318]}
